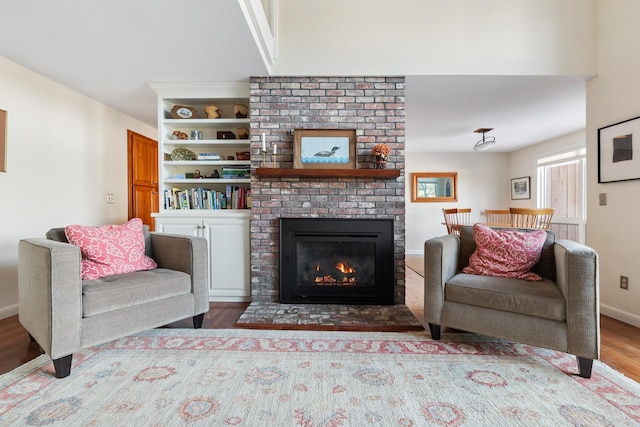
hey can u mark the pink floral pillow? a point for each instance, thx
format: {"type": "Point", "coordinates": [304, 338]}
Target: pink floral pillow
{"type": "Point", "coordinates": [110, 249]}
{"type": "Point", "coordinates": [506, 253]}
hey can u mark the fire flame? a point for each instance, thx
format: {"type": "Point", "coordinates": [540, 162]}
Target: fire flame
{"type": "Point", "coordinates": [344, 268]}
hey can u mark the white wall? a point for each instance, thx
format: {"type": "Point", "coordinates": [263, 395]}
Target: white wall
{"type": "Point", "coordinates": [483, 183]}
{"type": "Point", "coordinates": [65, 153]}
{"type": "Point", "coordinates": [524, 162]}
{"type": "Point", "coordinates": [612, 96]}
{"type": "Point", "coordinates": [427, 37]}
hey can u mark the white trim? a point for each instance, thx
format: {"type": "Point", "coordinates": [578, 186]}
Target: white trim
{"type": "Point", "coordinates": [262, 33]}
{"type": "Point", "coordinates": [8, 311]}
{"type": "Point", "coordinates": [623, 316]}
{"type": "Point", "coordinates": [414, 253]}
{"type": "Point", "coordinates": [562, 156]}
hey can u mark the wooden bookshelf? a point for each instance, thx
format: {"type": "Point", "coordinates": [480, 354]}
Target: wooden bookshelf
{"type": "Point", "coordinates": [327, 173]}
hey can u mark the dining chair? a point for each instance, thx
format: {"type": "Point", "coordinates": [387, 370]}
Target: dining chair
{"type": "Point", "coordinates": [498, 217]}
{"type": "Point", "coordinates": [531, 218]}
{"type": "Point", "coordinates": [454, 218]}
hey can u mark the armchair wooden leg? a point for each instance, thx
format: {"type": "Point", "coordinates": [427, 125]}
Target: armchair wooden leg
{"type": "Point", "coordinates": [584, 366]}
{"type": "Point", "coordinates": [435, 331]}
{"type": "Point", "coordinates": [63, 366]}
{"type": "Point", "coordinates": [197, 321]}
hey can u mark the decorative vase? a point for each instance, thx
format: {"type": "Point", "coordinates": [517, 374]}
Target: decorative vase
{"type": "Point", "coordinates": [213, 112]}
{"type": "Point", "coordinates": [381, 163]}
{"type": "Point", "coordinates": [241, 111]}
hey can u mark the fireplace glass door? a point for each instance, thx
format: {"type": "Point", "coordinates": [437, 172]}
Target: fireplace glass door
{"type": "Point", "coordinates": [336, 261]}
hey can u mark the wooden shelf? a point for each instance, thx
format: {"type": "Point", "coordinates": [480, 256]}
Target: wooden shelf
{"type": "Point", "coordinates": [327, 173]}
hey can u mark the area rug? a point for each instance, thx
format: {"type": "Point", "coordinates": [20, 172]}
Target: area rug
{"type": "Point", "coordinates": [243, 377]}
{"type": "Point", "coordinates": [329, 317]}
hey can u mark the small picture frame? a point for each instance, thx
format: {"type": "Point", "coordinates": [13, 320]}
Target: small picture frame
{"type": "Point", "coordinates": [521, 188]}
{"type": "Point", "coordinates": [618, 154]}
{"type": "Point", "coordinates": [324, 149]}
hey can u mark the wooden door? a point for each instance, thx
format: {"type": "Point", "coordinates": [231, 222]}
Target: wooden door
{"type": "Point", "coordinates": [142, 155]}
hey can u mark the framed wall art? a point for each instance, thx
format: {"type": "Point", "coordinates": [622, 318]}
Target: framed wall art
{"type": "Point", "coordinates": [434, 187]}
{"type": "Point", "coordinates": [3, 141]}
{"type": "Point", "coordinates": [521, 188]}
{"type": "Point", "coordinates": [618, 157]}
{"type": "Point", "coordinates": [324, 149]}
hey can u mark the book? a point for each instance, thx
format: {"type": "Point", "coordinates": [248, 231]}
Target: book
{"type": "Point", "coordinates": [233, 197]}
{"type": "Point", "coordinates": [209, 156]}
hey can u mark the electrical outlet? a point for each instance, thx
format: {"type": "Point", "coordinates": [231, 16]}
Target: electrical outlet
{"type": "Point", "coordinates": [111, 199]}
{"type": "Point", "coordinates": [624, 282]}
{"type": "Point", "coordinates": [603, 199]}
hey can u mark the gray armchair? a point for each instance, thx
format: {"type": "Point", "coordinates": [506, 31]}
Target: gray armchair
{"type": "Point", "coordinates": [560, 313]}
{"type": "Point", "coordinates": [64, 313]}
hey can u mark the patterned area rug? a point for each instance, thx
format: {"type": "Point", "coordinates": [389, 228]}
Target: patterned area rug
{"type": "Point", "coordinates": [329, 317]}
{"type": "Point", "coordinates": [242, 377]}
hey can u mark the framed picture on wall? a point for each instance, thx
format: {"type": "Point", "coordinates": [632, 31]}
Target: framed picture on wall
{"type": "Point", "coordinates": [324, 149]}
{"type": "Point", "coordinates": [521, 188]}
{"type": "Point", "coordinates": [434, 187]}
{"type": "Point", "coordinates": [616, 146]}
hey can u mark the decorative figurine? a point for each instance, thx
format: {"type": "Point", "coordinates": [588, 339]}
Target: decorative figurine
{"type": "Point", "coordinates": [241, 111]}
{"type": "Point", "coordinates": [381, 154]}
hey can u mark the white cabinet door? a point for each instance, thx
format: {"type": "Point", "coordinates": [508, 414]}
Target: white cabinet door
{"type": "Point", "coordinates": [186, 226]}
{"type": "Point", "coordinates": [228, 258]}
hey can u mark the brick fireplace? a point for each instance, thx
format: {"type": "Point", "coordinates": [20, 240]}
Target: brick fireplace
{"type": "Point", "coordinates": [374, 107]}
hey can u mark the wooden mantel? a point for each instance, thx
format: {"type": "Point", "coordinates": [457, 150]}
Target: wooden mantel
{"type": "Point", "coordinates": [327, 173]}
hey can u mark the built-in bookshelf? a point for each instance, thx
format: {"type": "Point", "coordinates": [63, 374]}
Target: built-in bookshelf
{"type": "Point", "coordinates": [207, 151]}
{"type": "Point", "coordinates": [205, 184]}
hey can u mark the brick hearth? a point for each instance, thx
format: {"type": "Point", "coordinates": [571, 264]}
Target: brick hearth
{"type": "Point", "coordinates": [374, 106]}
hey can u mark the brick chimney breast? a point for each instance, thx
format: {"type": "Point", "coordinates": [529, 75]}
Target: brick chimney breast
{"type": "Point", "coordinates": [375, 108]}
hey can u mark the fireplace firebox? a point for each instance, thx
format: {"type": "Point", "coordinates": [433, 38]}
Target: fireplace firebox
{"type": "Point", "coordinates": [336, 261]}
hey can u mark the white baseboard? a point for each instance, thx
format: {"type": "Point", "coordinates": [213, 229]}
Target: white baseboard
{"type": "Point", "coordinates": [620, 315]}
{"type": "Point", "coordinates": [414, 252]}
{"type": "Point", "coordinates": [8, 311]}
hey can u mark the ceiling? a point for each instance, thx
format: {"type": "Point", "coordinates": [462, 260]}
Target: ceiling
{"type": "Point", "coordinates": [111, 50]}
{"type": "Point", "coordinates": [443, 111]}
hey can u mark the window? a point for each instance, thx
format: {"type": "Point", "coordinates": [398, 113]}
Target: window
{"type": "Point", "coordinates": [561, 185]}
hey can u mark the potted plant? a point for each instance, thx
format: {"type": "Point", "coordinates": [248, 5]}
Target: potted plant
{"type": "Point", "coordinates": [381, 155]}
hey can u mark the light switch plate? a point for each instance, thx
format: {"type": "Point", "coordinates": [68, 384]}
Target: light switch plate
{"type": "Point", "coordinates": [602, 197]}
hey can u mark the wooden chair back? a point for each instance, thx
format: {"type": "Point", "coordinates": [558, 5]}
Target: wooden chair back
{"type": "Point", "coordinates": [531, 218]}
{"type": "Point", "coordinates": [455, 217]}
{"type": "Point", "coordinates": [498, 217]}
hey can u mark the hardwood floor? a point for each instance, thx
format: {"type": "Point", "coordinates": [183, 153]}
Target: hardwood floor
{"type": "Point", "coordinates": [620, 347]}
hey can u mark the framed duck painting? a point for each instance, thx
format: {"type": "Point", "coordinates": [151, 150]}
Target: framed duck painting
{"type": "Point", "coordinates": [324, 149]}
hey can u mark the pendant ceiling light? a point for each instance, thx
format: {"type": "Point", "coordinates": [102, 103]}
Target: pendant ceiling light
{"type": "Point", "coordinates": [486, 141]}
